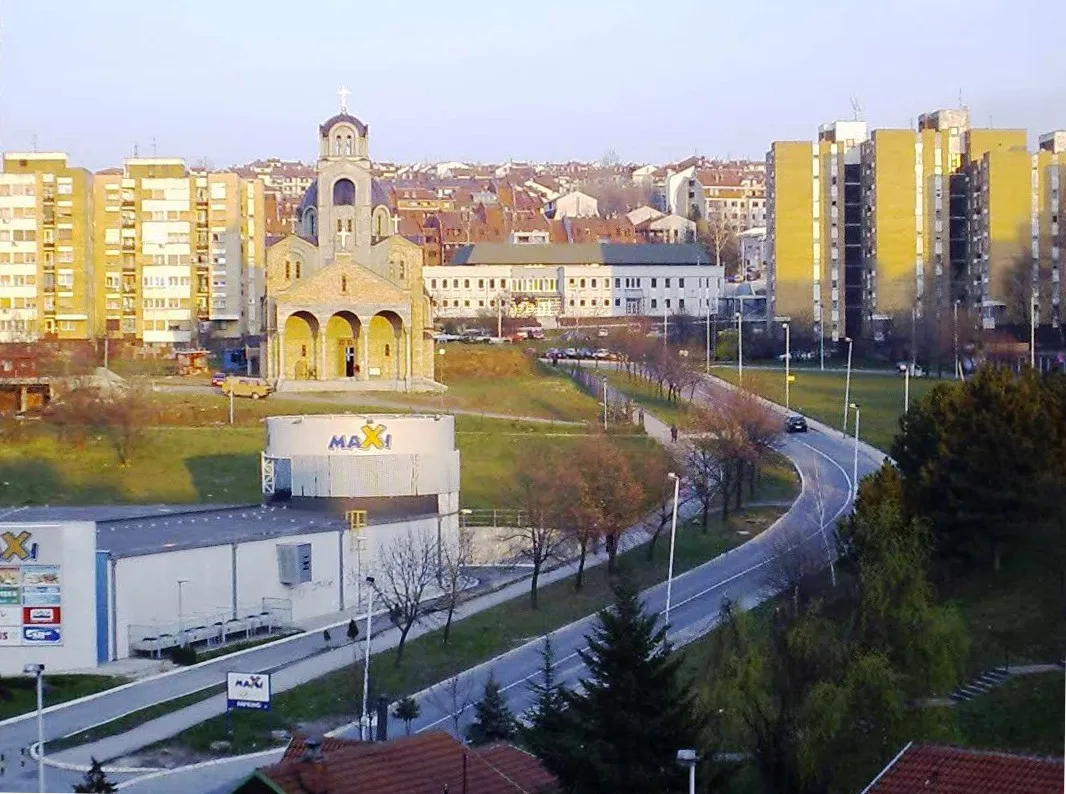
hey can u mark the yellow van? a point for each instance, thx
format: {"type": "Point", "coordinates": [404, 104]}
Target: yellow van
{"type": "Point", "coordinates": [256, 388]}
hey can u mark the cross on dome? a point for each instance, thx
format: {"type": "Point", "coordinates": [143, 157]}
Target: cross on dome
{"type": "Point", "coordinates": [344, 93]}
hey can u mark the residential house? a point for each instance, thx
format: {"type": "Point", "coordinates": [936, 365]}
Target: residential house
{"type": "Point", "coordinates": [955, 770]}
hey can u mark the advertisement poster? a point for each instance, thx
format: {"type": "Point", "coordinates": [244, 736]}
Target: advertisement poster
{"type": "Point", "coordinates": [31, 589]}
{"type": "Point", "coordinates": [248, 691]}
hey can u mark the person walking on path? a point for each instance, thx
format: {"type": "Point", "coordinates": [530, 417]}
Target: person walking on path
{"type": "Point", "coordinates": [640, 416]}
{"type": "Point", "coordinates": [673, 433]}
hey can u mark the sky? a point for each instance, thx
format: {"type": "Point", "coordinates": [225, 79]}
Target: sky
{"type": "Point", "coordinates": [234, 80]}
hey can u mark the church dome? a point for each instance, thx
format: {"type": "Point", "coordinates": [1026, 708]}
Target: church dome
{"type": "Point", "coordinates": [341, 118]}
{"type": "Point", "coordinates": [310, 199]}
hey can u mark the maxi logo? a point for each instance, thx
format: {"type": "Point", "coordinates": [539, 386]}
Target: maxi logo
{"type": "Point", "coordinates": [373, 437]}
{"type": "Point", "coordinates": [15, 546]}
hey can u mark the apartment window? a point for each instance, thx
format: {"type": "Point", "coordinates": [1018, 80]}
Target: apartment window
{"type": "Point", "coordinates": [617, 301]}
{"type": "Point", "coordinates": [433, 283]}
{"type": "Point", "coordinates": [681, 282]}
{"type": "Point", "coordinates": [582, 301]}
{"type": "Point", "coordinates": [680, 303]}
{"type": "Point", "coordinates": [298, 269]}
{"type": "Point", "coordinates": [654, 303]}
{"type": "Point", "coordinates": [654, 283]}
{"type": "Point", "coordinates": [617, 283]}
{"type": "Point", "coordinates": [667, 282]}
{"type": "Point", "coordinates": [571, 301]}
{"type": "Point", "coordinates": [594, 283]}
{"type": "Point", "coordinates": [593, 301]}
{"type": "Point", "coordinates": [492, 283]}
{"type": "Point", "coordinates": [667, 303]}
{"type": "Point", "coordinates": [466, 283]}
{"type": "Point", "coordinates": [571, 282]}
{"type": "Point", "coordinates": [481, 283]}
{"type": "Point", "coordinates": [582, 283]}
{"type": "Point", "coordinates": [466, 303]}
{"type": "Point", "coordinates": [481, 303]}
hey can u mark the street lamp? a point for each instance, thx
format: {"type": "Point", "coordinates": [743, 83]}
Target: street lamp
{"type": "Point", "coordinates": [847, 385]}
{"type": "Point", "coordinates": [364, 722]}
{"type": "Point", "coordinates": [788, 354]}
{"type": "Point", "coordinates": [688, 758]}
{"type": "Point", "coordinates": [855, 461]}
{"type": "Point", "coordinates": [670, 565]}
{"type": "Point", "coordinates": [181, 612]}
{"type": "Point", "coordinates": [604, 403]}
{"type": "Point", "coordinates": [36, 669]}
{"type": "Point", "coordinates": [955, 337]}
{"type": "Point", "coordinates": [740, 349]}
{"type": "Point", "coordinates": [1032, 331]}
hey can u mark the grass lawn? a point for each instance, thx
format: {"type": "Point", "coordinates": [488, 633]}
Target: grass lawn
{"type": "Point", "coordinates": [18, 694]}
{"type": "Point", "coordinates": [334, 699]}
{"type": "Point", "coordinates": [820, 395]}
{"type": "Point", "coordinates": [646, 393]}
{"type": "Point", "coordinates": [220, 463]}
{"type": "Point", "coordinates": [1025, 714]}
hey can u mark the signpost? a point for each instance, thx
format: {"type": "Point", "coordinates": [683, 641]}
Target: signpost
{"type": "Point", "coordinates": [246, 691]}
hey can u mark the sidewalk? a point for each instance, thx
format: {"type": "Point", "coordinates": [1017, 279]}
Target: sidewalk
{"type": "Point", "coordinates": [310, 668]}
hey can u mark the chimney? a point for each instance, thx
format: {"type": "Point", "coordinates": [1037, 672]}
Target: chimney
{"type": "Point", "coordinates": [312, 749]}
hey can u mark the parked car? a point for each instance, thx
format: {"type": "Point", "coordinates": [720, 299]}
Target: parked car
{"type": "Point", "coordinates": [916, 371]}
{"type": "Point", "coordinates": [570, 352]}
{"type": "Point", "coordinates": [218, 378]}
{"type": "Point", "coordinates": [796, 424]}
{"type": "Point", "coordinates": [602, 353]}
{"type": "Point", "coordinates": [602, 332]}
{"type": "Point", "coordinates": [256, 388]}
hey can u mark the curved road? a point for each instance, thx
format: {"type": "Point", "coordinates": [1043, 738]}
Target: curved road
{"type": "Point", "coordinates": [824, 459]}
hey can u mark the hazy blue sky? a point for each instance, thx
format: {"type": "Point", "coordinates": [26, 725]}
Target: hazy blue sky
{"type": "Point", "coordinates": [231, 80]}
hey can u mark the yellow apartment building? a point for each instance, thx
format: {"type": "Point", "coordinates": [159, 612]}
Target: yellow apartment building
{"type": "Point", "coordinates": [178, 254]}
{"type": "Point", "coordinates": [46, 276]}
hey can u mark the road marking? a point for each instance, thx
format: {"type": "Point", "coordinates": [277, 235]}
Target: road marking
{"type": "Point", "coordinates": [690, 599]}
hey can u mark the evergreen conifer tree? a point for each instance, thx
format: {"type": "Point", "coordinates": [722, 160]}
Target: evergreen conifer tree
{"type": "Point", "coordinates": [95, 780]}
{"type": "Point", "coordinates": [493, 720]}
{"type": "Point", "coordinates": [623, 731]}
{"type": "Point", "coordinates": [545, 716]}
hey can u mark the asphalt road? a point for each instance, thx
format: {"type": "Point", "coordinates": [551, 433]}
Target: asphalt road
{"type": "Point", "coordinates": [824, 458]}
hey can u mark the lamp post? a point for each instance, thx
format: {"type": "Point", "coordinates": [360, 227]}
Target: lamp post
{"type": "Point", "coordinates": [847, 386]}
{"type": "Point", "coordinates": [364, 721]}
{"type": "Point", "coordinates": [821, 339]}
{"type": "Point", "coordinates": [181, 611]}
{"type": "Point", "coordinates": [740, 349]}
{"type": "Point", "coordinates": [788, 354]}
{"type": "Point", "coordinates": [955, 337]}
{"type": "Point", "coordinates": [440, 352]}
{"type": "Point", "coordinates": [1032, 331]}
{"type": "Point", "coordinates": [604, 404]}
{"type": "Point", "coordinates": [36, 669]}
{"type": "Point", "coordinates": [906, 389]}
{"type": "Point", "coordinates": [670, 565]}
{"type": "Point", "coordinates": [688, 758]}
{"type": "Point", "coordinates": [855, 460]}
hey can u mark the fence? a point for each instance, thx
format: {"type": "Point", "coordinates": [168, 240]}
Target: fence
{"type": "Point", "coordinates": [211, 629]}
{"type": "Point", "coordinates": [620, 408]}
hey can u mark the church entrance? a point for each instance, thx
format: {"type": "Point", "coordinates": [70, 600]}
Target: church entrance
{"type": "Point", "coordinates": [351, 369]}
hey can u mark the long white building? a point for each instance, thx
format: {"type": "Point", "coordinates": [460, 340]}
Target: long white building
{"type": "Point", "coordinates": [575, 280]}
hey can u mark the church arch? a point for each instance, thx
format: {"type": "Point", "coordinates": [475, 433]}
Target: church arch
{"type": "Point", "coordinates": [344, 193]}
{"type": "Point", "coordinates": [386, 359]}
{"type": "Point", "coordinates": [343, 346]}
{"type": "Point", "coordinates": [301, 344]}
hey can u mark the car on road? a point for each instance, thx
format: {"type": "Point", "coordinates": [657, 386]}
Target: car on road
{"type": "Point", "coordinates": [256, 388]}
{"type": "Point", "coordinates": [796, 424]}
{"type": "Point", "coordinates": [218, 378]}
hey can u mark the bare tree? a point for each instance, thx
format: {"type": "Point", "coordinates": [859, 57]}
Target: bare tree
{"type": "Point", "coordinates": [452, 696]}
{"type": "Point", "coordinates": [705, 473]}
{"type": "Point", "coordinates": [659, 487]}
{"type": "Point", "coordinates": [408, 567]}
{"type": "Point", "coordinates": [794, 561]}
{"type": "Point", "coordinates": [455, 556]}
{"type": "Point", "coordinates": [543, 495]}
{"type": "Point", "coordinates": [720, 237]}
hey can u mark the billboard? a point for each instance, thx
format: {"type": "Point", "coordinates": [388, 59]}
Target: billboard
{"type": "Point", "coordinates": [31, 588]}
{"type": "Point", "coordinates": [248, 691]}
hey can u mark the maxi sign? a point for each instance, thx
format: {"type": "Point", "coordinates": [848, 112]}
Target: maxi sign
{"type": "Point", "coordinates": [372, 437]}
{"type": "Point", "coordinates": [248, 691]}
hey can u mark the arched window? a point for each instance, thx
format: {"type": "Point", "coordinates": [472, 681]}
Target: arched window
{"type": "Point", "coordinates": [344, 285]}
{"type": "Point", "coordinates": [387, 351]}
{"type": "Point", "coordinates": [288, 270]}
{"type": "Point", "coordinates": [348, 145]}
{"type": "Point", "coordinates": [298, 274]}
{"type": "Point", "coordinates": [337, 146]}
{"type": "Point", "coordinates": [350, 222]}
{"type": "Point", "coordinates": [344, 193]}
{"type": "Point", "coordinates": [403, 271]}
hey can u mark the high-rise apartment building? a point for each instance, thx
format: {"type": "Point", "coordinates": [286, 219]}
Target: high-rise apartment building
{"type": "Point", "coordinates": [178, 254]}
{"type": "Point", "coordinates": [1015, 235]}
{"type": "Point", "coordinates": [813, 225]}
{"type": "Point", "coordinates": [879, 234]}
{"type": "Point", "coordinates": [46, 284]}
{"type": "Point", "coordinates": [151, 253]}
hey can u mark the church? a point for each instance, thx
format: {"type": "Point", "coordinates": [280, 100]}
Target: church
{"type": "Point", "coordinates": [345, 307]}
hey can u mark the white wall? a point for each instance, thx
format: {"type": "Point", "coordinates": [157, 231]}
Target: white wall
{"type": "Point", "coordinates": [71, 546]}
{"type": "Point", "coordinates": [146, 586]}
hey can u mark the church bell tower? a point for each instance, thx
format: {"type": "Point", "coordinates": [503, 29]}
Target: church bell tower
{"type": "Point", "coordinates": [344, 184]}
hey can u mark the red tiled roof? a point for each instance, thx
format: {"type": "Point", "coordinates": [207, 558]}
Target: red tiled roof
{"type": "Point", "coordinates": [954, 770]}
{"type": "Point", "coordinates": [427, 763]}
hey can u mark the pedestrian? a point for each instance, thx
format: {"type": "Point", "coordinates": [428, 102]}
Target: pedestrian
{"type": "Point", "coordinates": [673, 433]}
{"type": "Point", "coordinates": [640, 417]}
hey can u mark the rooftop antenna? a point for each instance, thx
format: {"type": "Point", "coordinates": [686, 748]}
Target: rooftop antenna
{"type": "Point", "coordinates": [856, 109]}
{"type": "Point", "coordinates": [136, 151]}
{"type": "Point", "coordinates": [153, 148]}
{"type": "Point", "coordinates": [961, 103]}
